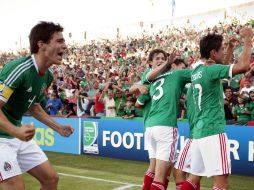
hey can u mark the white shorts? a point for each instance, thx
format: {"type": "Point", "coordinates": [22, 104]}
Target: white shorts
{"type": "Point", "coordinates": [184, 158]}
{"type": "Point", "coordinates": [161, 142]}
{"type": "Point", "coordinates": [17, 157]}
{"type": "Point", "coordinates": [210, 156]}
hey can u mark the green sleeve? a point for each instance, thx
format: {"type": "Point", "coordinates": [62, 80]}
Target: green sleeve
{"type": "Point", "coordinates": [218, 71]}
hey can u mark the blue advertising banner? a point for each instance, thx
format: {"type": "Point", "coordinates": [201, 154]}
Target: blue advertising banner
{"type": "Point", "coordinates": [114, 138]}
{"type": "Point", "coordinates": [124, 139]}
{"type": "Point", "coordinates": [50, 140]}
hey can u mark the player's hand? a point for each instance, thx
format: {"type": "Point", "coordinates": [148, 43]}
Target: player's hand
{"type": "Point", "coordinates": [246, 32]}
{"type": "Point", "coordinates": [232, 41]}
{"type": "Point", "coordinates": [143, 89]}
{"type": "Point", "coordinates": [25, 132]}
{"type": "Point", "coordinates": [66, 130]}
{"type": "Point", "coordinates": [172, 56]}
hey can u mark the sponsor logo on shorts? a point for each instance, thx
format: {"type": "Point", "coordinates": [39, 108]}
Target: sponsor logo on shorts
{"type": "Point", "coordinates": [7, 166]}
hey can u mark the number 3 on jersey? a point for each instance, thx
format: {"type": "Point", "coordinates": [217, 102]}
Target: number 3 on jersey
{"type": "Point", "coordinates": [158, 89]}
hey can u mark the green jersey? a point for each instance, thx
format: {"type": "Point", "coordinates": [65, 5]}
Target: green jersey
{"type": "Point", "coordinates": [235, 81]}
{"type": "Point", "coordinates": [238, 111]}
{"type": "Point", "coordinates": [144, 75]}
{"type": "Point", "coordinates": [145, 100]}
{"type": "Point", "coordinates": [21, 86]}
{"type": "Point", "coordinates": [190, 110]}
{"type": "Point", "coordinates": [208, 97]}
{"type": "Point", "coordinates": [165, 94]}
{"type": "Point", "coordinates": [251, 108]}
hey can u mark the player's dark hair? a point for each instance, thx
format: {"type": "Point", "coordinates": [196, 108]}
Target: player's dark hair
{"type": "Point", "coordinates": [208, 43]}
{"type": "Point", "coordinates": [154, 52]}
{"type": "Point", "coordinates": [179, 61]}
{"type": "Point", "coordinates": [43, 31]}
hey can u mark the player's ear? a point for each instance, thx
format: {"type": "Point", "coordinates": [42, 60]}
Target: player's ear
{"type": "Point", "coordinates": [213, 53]}
{"type": "Point", "coordinates": [41, 45]}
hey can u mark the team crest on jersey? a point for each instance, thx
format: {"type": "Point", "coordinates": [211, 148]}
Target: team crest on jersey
{"type": "Point", "coordinates": [7, 166]}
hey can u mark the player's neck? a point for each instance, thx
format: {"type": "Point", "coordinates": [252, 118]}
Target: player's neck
{"type": "Point", "coordinates": [42, 64]}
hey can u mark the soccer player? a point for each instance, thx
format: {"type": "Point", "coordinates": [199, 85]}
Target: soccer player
{"type": "Point", "coordinates": [22, 83]}
{"type": "Point", "coordinates": [210, 148]}
{"type": "Point", "coordinates": [161, 126]}
{"type": "Point", "coordinates": [182, 166]}
{"type": "Point", "coordinates": [156, 58]}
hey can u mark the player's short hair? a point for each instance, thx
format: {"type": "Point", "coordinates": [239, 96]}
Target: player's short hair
{"type": "Point", "coordinates": [179, 61]}
{"type": "Point", "coordinates": [155, 52]}
{"type": "Point", "coordinates": [43, 31]}
{"type": "Point", "coordinates": [208, 43]}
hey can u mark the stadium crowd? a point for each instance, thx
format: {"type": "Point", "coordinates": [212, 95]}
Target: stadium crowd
{"type": "Point", "coordinates": [95, 79]}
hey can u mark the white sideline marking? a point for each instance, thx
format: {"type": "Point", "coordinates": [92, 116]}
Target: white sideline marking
{"type": "Point", "coordinates": [99, 179]}
{"type": "Point", "coordinates": [126, 187]}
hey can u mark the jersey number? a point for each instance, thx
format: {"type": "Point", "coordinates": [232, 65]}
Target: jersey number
{"type": "Point", "coordinates": [199, 87]}
{"type": "Point", "coordinates": [159, 88]}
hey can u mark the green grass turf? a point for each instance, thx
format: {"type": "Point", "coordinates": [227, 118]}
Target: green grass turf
{"type": "Point", "coordinates": [81, 167]}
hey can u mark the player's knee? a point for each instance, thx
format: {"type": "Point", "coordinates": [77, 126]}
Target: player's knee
{"type": "Point", "coordinates": [51, 180]}
{"type": "Point", "coordinates": [54, 178]}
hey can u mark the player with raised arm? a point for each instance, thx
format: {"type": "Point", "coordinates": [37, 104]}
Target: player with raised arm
{"type": "Point", "coordinates": [22, 85]}
{"type": "Point", "coordinates": [183, 165]}
{"type": "Point", "coordinates": [210, 147]}
{"type": "Point", "coordinates": [161, 126]}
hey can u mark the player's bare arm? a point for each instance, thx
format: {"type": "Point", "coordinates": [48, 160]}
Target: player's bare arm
{"type": "Point", "coordinates": [138, 87]}
{"type": "Point", "coordinates": [162, 68]}
{"type": "Point", "coordinates": [244, 61]}
{"type": "Point", "coordinates": [24, 133]}
{"type": "Point", "coordinates": [37, 112]}
{"type": "Point", "coordinates": [230, 49]}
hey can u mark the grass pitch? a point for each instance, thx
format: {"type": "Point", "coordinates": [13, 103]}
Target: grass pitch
{"type": "Point", "coordinates": [83, 172]}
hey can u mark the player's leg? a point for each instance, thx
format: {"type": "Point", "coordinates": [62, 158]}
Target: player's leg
{"type": "Point", "coordinates": [34, 161]}
{"type": "Point", "coordinates": [197, 167]}
{"type": "Point", "coordinates": [182, 166]}
{"type": "Point", "coordinates": [217, 160]}
{"type": "Point", "coordinates": [180, 177]}
{"type": "Point", "coordinates": [151, 147]}
{"type": "Point", "coordinates": [161, 172]}
{"type": "Point", "coordinates": [10, 172]}
{"type": "Point", "coordinates": [13, 183]}
{"type": "Point", "coordinates": [166, 141]}
{"type": "Point", "coordinates": [192, 183]}
{"type": "Point", "coordinates": [220, 182]}
{"type": "Point", "coordinates": [46, 175]}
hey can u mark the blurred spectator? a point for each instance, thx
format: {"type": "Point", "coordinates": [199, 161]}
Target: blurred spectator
{"type": "Point", "coordinates": [98, 104]}
{"type": "Point", "coordinates": [109, 103]}
{"type": "Point", "coordinates": [120, 101]}
{"type": "Point", "coordinates": [241, 111]}
{"type": "Point", "coordinates": [129, 111]}
{"type": "Point", "coordinates": [82, 104]}
{"type": "Point", "coordinates": [251, 105]}
{"type": "Point", "coordinates": [229, 102]}
{"type": "Point", "coordinates": [247, 88]}
{"type": "Point", "coordinates": [54, 105]}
